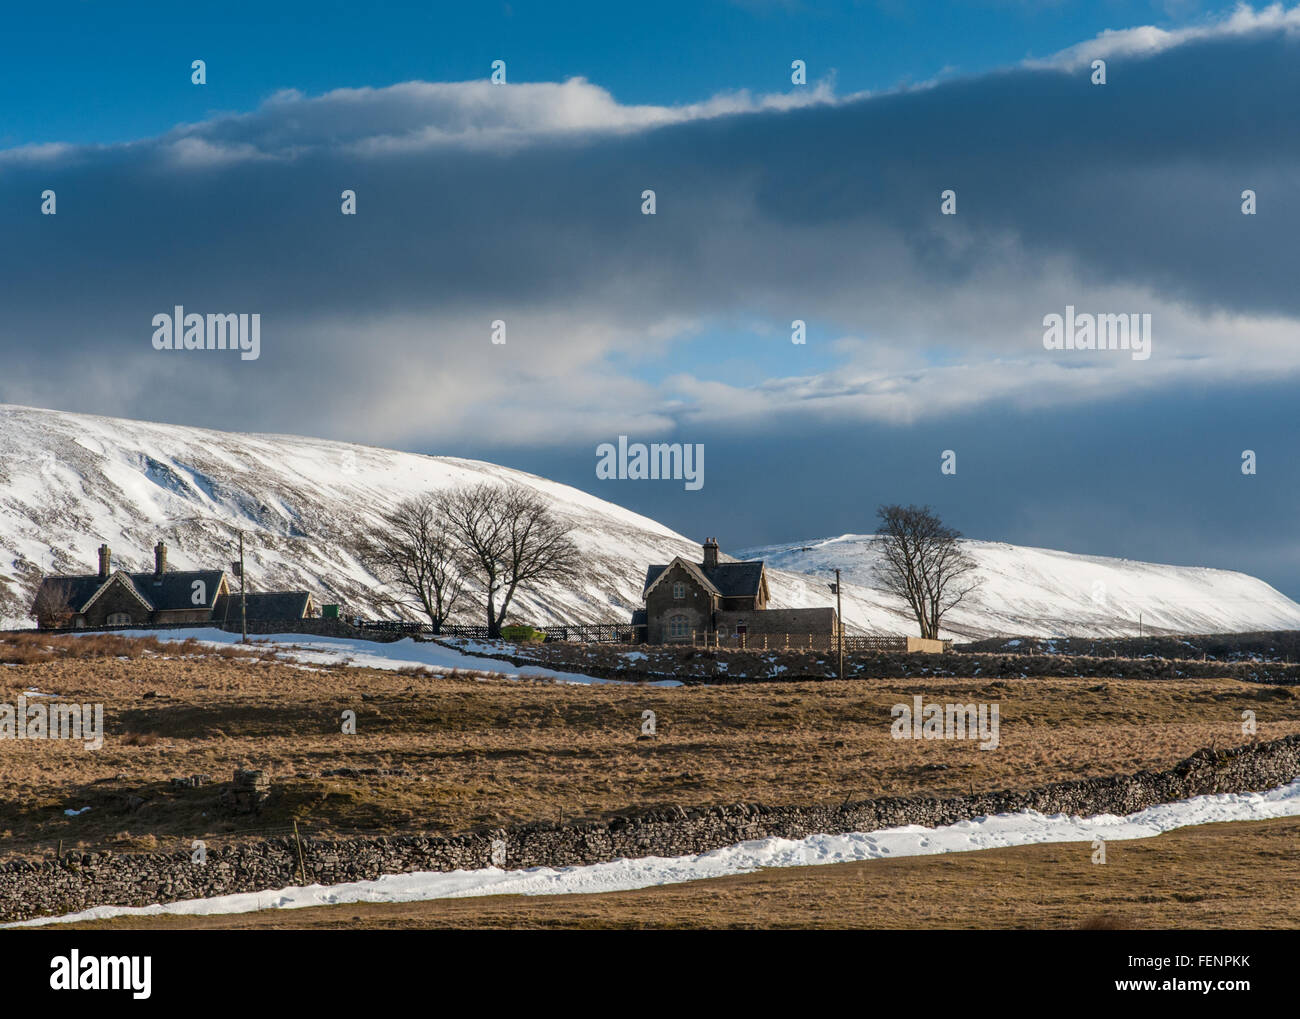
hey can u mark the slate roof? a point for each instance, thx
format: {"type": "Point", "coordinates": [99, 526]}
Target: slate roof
{"type": "Point", "coordinates": [173, 590]}
{"type": "Point", "coordinates": [733, 580]}
{"type": "Point", "coordinates": [264, 606]}
{"type": "Point", "coordinates": [79, 588]}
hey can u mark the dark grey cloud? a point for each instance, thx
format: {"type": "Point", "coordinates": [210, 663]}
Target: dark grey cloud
{"type": "Point", "coordinates": [522, 203]}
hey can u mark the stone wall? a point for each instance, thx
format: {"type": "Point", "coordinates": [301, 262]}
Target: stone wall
{"type": "Point", "coordinates": [324, 627]}
{"type": "Point", "coordinates": [76, 882]}
{"type": "Point", "coordinates": [780, 626]}
{"type": "Point", "coordinates": [635, 662]}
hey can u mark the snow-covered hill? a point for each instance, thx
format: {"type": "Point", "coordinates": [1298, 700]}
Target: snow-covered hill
{"type": "Point", "coordinates": [1036, 591]}
{"type": "Point", "coordinates": [71, 481]}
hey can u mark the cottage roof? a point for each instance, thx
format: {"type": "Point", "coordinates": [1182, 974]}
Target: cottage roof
{"type": "Point", "coordinates": [122, 580]}
{"type": "Point", "coordinates": [264, 606]}
{"type": "Point", "coordinates": [175, 588]}
{"type": "Point", "coordinates": [729, 580]}
{"type": "Point", "coordinates": [79, 589]}
{"type": "Point", "coordinates": [172, 590]}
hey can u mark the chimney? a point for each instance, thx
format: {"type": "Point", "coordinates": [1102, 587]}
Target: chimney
{"type": "Point", "coordinates": [710, 553]}
{"type": "Point", "coordinates": [105, 562]}
{"type": "Point", "coordinates": [159, 559]}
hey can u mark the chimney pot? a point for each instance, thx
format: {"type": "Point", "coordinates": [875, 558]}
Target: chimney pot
{"type": "Point", "coordinates": [710, 553]}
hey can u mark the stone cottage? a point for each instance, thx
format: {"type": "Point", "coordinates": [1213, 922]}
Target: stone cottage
{"type": "Point", "coordinates": [121, 598]}
{"type": "Point", "coordinates": [685, 600]}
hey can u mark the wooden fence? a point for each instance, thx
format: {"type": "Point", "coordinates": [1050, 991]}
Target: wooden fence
{"type": "Point", "coordinates": [597, 633]}
{"type": "Point", "coordinates": [798, 642]}
{"type": "Point", "coordinates": [880, 644]}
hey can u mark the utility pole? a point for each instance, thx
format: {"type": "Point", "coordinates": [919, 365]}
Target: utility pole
{"type": "Point", "coordinates": [243, 600]}
{"type": "Point", "coordinates": [839, 623]}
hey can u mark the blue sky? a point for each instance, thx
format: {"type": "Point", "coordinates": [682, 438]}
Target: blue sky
{"type": "Point", "coordinates": [776, 202]}
{"type": "Point", "coordinates": [84, 71]}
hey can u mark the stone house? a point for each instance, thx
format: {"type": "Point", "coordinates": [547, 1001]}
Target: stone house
{"type": "Point", "coordinates": [685, 600]}
{"type": "Point", "coordinates": [121, 598]}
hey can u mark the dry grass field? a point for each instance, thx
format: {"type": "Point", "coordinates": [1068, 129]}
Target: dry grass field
{"type": "Point", "coordinates": [436, 753]}
{"type": "Point", "coordinates": [1219, 876]}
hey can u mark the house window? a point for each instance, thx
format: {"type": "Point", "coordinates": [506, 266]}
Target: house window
{"type": "Point", "coordinates": [677, 626]}
{"type": "Point", "coordinates": [679, 590]}
{"type": "Point", "coordinates": [118, 619]}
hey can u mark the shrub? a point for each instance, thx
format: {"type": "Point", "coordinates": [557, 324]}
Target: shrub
{"type": "Point", "coordinates": [522, 634]}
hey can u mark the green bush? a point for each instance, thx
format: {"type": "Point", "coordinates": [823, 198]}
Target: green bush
{"type": "Point", "coordinates": [522, 634]}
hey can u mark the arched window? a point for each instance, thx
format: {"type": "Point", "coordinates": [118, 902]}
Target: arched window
{"type": "Point", "coordinates": [678, 626]}
{"type": "Point", "coordinates": [679, 590]}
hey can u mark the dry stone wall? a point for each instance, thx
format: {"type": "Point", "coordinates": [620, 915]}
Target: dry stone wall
{"type": "Point", "coordinates": [716, 666]}
{"type": "Point", "coordinates": [76, 882]}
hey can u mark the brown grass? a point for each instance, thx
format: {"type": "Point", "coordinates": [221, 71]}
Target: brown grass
{"type": "Point", "coordinates": [452, 753]}
{"type": "Point", "coordinates": [1221, 876]}
{"type": "Point", "coordinates": [36, 648]}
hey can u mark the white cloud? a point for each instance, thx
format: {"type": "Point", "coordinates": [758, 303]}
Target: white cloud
{"type": "Point", "coordinates": [417, 115]}
{"type": "Point", "coordinates": [1147, 40]}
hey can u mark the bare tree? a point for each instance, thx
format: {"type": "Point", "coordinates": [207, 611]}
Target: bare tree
{"type": "Point", "coordinates": [512, 539]}
{"type": "Point", "coordinates": [52, 609]}
{"type": "Point", "coordinates": [924, 564]}
{"type": "Point", "coordinates": [417, 554]}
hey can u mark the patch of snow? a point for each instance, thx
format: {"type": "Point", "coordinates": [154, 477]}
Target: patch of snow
{"type": "Point", "coordinates": [312, 649]}
{"type": "Point", "coordinates": [1000, 831]}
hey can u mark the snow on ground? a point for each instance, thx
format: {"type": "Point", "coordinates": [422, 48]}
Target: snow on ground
{"type": "Point", "coordinates": [1002, 830]}
{"type": "Point", "coordinates": [312, 649]}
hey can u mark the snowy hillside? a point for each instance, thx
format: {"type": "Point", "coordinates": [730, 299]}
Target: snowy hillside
{"type": "Point", "coordinates": [71, 481]}
{"type": "Point", "coordinates": [1036, 591]}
